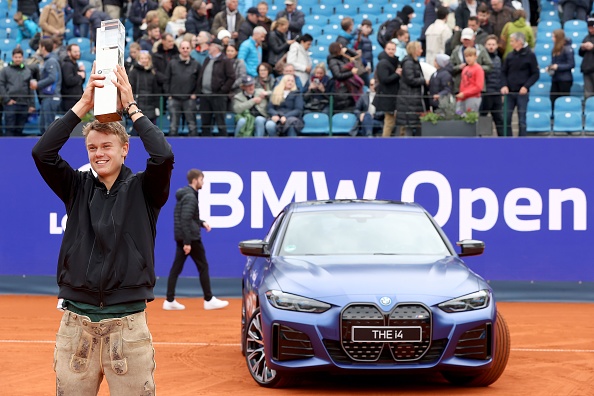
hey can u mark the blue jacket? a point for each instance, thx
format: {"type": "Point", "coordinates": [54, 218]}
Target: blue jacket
{"type": "Point", "coordinates": [251, 55]}
{"type": "Point", "coordinates": [27, 30]}
{"type": "Point", "coordinates": [565, 62]}
{"type": "Point", "coordinates": [50, 84]}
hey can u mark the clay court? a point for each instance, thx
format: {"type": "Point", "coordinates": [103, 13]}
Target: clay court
{"type": "Point", "coordinates": [198, 353]}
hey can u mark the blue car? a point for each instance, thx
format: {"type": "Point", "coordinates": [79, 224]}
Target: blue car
{"type": "Point", "coordinates": [360, 287]}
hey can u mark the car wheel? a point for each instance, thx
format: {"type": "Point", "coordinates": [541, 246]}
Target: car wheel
{"type": "Point", "coordinates": [255, 356]}
{"type": "Point", "coordinates": [500, 357]}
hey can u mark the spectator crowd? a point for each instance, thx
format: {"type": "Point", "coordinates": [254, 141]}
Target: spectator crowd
{"type": "Point", "coordinates": [220, 68]}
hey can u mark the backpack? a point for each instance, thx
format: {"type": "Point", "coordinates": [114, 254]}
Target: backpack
{"type": "Point", "coordinates": [34, 42]}
{"type": "Point", "coordinates": [387, 29]}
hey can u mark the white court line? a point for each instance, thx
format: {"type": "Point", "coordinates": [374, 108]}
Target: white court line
{"type": "Point", "coordinates": [236, 345]}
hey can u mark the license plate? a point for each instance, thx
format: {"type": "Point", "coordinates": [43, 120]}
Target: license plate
{"type": "Point", "coordinates": [386, 334]}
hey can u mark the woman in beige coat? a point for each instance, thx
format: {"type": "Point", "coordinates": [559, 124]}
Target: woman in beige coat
{"type": "Point", "coordinates": [51, 20]}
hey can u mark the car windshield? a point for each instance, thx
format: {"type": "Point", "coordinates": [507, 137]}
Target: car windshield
{"type": "Point", "coordinates": [362, 232]}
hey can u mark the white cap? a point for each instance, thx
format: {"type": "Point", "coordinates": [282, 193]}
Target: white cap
{"type": "Point", "coordinates": [467, 34]}
{"type": "Point", "coordinates": [223, 33]}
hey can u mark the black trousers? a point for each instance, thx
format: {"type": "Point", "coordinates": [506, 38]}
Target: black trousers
{"type": "Point", "coordinates": [492, 104]}
{"type": "Point", "coordinates": [213, 108]}
{"type": "Point", "coordinates": [199, 256]}
{"type": "Point", "coordinates": [558, 89]}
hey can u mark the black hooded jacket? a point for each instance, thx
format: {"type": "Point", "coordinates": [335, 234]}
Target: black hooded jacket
{"type": "Point", "coordinates": [186, 216]}
{"type": "Point", "coordinates": [387, 83]}
{"type": "Point", "coordinates": [107, 252]}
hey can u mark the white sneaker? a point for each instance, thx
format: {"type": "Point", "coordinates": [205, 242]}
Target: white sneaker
{"type": "Point", "coordinates": [215, 303]}
{"type": "Point", "coordinates": [173, 306]}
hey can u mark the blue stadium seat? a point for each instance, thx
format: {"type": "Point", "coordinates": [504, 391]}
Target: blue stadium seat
{"type": "Point", "coordinates": [316, 124]}
{"type": "Point", "coordinates": [332, 3]}
{"type": "Point", "coordinates": [325, 40]}
{"type": "Point", "coordinates": [312, 30]}
{"type": "Point", "coordinates": [538, 122]}
{"type": "Point", "coordinates": [24, 44]}
{"type": "Point", "coordinates": [544, 60]}
{"type": "Point", "coordinates": [322, 10]}
{"type": "Point", "coordinates": [548, 6]}
{"type": "Point", "coordinates": [319, 52]}
{"type": "Point", "coordinates": [549, 15]}
{"type": "Point", "coordinates": [569, 104]}
{"type": "Point", "coordinates": [83, 42]}
{"type": "Point", "coordinates": [342, 123]}
{"type": "Point", "coordinates": [578, 76]}
{"type": "Point", "coordinates": [332, 28]}
{"type": "Point", "coordinates": [543, 49]}
{"type": "Point", "coordinates": [576, 29]}
{"type": "Point", "coordinates": [567, 121]}
{"type": "Point", "coordinates": [544, 76]}
{"type": "Point", "coordinates": [346, 10]}
{"type": "Point", "coordinates": [589, 106]}
{"type": "Point", "coordinates": [589, 123]}
{"type": "Point", "coordinates": [577, 90]}
{"type": "Point", "coordinates": [163, 123]}
{"type": "Point", "coordinates": [8, 22]}
{"type": "Point", "coordinates": [541, 88]}
{"type": "Point", "coordinates": [548, 26]}
{"type": "Point", "coordinates": [6, 47]}
{"type": "Point", "coordinates": [392, 8]}
{"type": "Point", "coordinates": [230, 123]}
{"type": "Point", "coordinates": [317, 20]}
{"type": "Point", "coordinates": [539, 104]}
{"type": "Point", "coordinates": [370, 8]}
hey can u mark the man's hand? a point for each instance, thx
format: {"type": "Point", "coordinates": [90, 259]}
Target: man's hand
{"type": "Point", "coordinates": [11, 102]}
{"type": "Point", "coordinates": [587, 46]}
{"type": "Point", "coordinates": [33, 84]}
{"type": "Point", "coordinates": [206, 226]}
{"type": "Point", "coordinates": [460, 95]}
{"type": "Point", "coordinates": [436, 97]}
{"type": "Point", "coordinates": [283, 119]}
{"type": "Point", "coordinates": [87, 101]}
{"type": "Point", "coordinates": [275, 118]}
{"type": "Point", "coordinates": [257, 99]}
{"type": "Point", "coordinates": [504, 90]}
{"type": "Point", "coordinates": [32, 110]}
{"type": "Point", "coordinates": [354, 70]}
{"type": "Point", "coordinates": [361, 116]}
{"type": "Point", "coordinates": [523, 91]}
{"type": "Point", "coordinates": [187, 249]}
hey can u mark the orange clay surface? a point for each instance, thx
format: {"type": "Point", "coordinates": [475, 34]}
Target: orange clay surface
{"type": "Point", "coordinates": [198, 353]}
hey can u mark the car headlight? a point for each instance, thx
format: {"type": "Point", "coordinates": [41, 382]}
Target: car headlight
{"type": "Point", "coordinates": [291, 302]}
{"type": "Point", "coordinates": [469, 302]}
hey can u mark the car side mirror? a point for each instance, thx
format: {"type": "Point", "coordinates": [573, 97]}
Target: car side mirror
{"type": "Point", "coordinates": [254, 247]}
{"type": "Point", "coordinates": [471, 247]}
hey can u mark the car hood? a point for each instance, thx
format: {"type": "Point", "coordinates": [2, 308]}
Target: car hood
{"type": "Point", "coordinates": [430, 278]}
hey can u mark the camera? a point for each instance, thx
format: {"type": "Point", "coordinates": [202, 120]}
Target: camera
{"type": "Point", "coordinates": [316, 80]}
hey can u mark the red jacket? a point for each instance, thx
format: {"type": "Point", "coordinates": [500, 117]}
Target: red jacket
{"type": "Point", "coordinates": [473, 81]}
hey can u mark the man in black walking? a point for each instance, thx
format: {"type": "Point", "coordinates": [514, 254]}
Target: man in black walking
{"type": "Point", "coordinates": [187, 225]}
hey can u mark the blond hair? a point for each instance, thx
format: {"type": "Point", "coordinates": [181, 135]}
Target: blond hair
{"type": "Point", "coordinates": [108, 128]}
{"type": "Point", "coordinates": [278, 92]}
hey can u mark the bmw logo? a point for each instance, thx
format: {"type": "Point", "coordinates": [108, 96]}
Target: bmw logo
{"type": "Point", "coordinates": [385, 301]}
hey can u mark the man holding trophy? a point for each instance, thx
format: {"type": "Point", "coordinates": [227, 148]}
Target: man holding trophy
{"type": "Point", "coordinates": [106, 262]}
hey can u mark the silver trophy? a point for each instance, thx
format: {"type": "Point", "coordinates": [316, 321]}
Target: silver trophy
{"type": "Point", "coordinates": [109, 52]}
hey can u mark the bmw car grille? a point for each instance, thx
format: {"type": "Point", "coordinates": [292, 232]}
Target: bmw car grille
{"type": "Point", "coordinates": [403, 315]}
{"type": "Point", "coordinates": [475, 343]}
{"type": "Point", "coordinates": [290, 344]}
